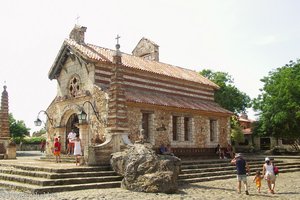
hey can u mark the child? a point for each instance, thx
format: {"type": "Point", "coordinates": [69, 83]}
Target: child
{"type": "Point", "coordinates": [257, 179]}
{"type": "Point", "coordinates": [56, 152]}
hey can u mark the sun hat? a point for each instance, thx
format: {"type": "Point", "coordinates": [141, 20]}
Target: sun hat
{"type": "Point", "coordinates": [267, 159]}
{"type": "Point", "coordinates": [237, 155]}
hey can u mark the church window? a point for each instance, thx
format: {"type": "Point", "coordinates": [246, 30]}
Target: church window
{"type": "Point", "coordinates": [213, 130]}
{"type": "Point", "coordinates": [145, 124]}
{"type": "Point", "coordinates": [175, 128]}
{"type": "Point", "coordinates": [187, 128]}
{"type": "Point", "coordinates": [74, 86]}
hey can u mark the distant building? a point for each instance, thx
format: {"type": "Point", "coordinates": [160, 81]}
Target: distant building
{"type": "Point", "coordinates": [130, 93]}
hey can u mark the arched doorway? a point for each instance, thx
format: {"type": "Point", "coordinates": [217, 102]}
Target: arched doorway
{"type": "Point", "coordinates": [71, 125]}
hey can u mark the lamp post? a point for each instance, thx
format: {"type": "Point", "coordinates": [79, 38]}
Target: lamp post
{"type": "Point", "coordinates": [38, 122]}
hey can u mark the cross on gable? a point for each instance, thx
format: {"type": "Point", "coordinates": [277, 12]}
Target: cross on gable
{"type": "Point", "coordinates": [117, 38]}
{"type": "Point", "coordinates": [77, 19]}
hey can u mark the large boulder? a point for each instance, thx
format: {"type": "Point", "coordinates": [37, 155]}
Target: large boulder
{"type": "Point", "coordinates": [145, 171]}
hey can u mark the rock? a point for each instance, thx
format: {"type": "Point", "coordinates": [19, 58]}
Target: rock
{"type": "Point", "coordinates": [145, 171]}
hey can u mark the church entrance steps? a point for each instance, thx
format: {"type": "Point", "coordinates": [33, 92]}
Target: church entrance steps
{"type": "Point", "coordinates": [45, 177]}
{"type": "Point", "coordinates": [60, 188]}
{"type": "Point", "coordinates": [64, 158]}
{"type": "Point", "coordinates": [199, 171]}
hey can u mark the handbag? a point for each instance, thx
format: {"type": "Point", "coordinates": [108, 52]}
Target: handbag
{"type": "Point", "coordinates": [276, 170]}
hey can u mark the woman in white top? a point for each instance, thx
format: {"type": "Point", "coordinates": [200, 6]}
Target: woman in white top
{"type": "Point", "coordinates": [77, 149]}
{"type": "Point", "coordinates": [268, 173]}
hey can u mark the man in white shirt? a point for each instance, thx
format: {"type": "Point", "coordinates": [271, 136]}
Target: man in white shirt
{"type": "Point", "coordinates": [71, 138]}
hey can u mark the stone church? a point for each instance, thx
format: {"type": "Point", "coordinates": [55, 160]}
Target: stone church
{"type": "Point", "coordinates": [126, 97]}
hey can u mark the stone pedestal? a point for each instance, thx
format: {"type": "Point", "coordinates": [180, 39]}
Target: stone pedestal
{"type": "Point", "coordinates": [11, 152]}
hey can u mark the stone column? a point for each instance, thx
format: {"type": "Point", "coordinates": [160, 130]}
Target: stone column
{"type": "Point", "coordinates": [84, 134]}
{"type": "Point", "coordinates": [117, 115]}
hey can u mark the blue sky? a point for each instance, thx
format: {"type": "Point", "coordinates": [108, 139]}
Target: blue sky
{"type": "Point", "coordinates": [246, 38]}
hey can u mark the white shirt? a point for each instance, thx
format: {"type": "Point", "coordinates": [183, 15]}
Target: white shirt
{"type": "Point", "coordinates": [269, 169]}
{"type": "Point", "coordinates": [71, 136]}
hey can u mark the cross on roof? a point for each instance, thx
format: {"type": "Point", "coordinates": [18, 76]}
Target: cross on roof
{"type": "Point", "coordinates": [117, 38]}
{"type": "Point", "coordinates": [77, 19]}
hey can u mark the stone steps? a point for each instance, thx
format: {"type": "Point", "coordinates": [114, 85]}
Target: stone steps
{"type": "Point", "coordinates": [189, 175]}
{"type": "Point", "coordinates": [50, 178]}
{"type": "Point", "coordinates": [64, 158]}
{"type": "Point", "coordinates": [200, 170]}
{"type": "Point", "coordinates": [225, 176]}
{"type": "Point", "coordinates": [60, 188]}
{"type": "Point", "coordinates": [226, 167]}
{"type": "Point", "coordinates": [48, 175]}
{"type": "Point", "coordinates": [215, 164]}
{"type": "Point", "coordinates": [53, 182]}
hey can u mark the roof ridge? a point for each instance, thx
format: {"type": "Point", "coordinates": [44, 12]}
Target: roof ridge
{"type": "Point", "coordinates": [145, 59]}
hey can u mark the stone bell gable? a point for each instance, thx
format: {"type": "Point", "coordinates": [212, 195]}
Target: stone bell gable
{"type": "Point", "coordinates": [147, 50]}
{"type": "Point", "coordinates": [132, 95]}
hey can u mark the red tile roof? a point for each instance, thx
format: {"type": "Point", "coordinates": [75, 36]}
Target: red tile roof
{"type": "Point", "coordinates": [247, 131]}
{"type": "Point", "coordinates": [174, 101]}
{"type": "Point", "coordinates": [106, 55]}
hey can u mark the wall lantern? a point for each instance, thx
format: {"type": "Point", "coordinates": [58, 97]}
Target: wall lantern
{"type": "Point", "coordinates": [38, 122]}
{"type": "Point", "coordinates": [83, 115]}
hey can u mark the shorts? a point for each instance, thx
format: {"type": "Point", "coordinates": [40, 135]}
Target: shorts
{"type": "Point", "coordinates": [242, 177]}
{"type": "Point", "coordinates": [270, 177]}
{"type": "Point", "coordinates": [56, 153]}
{"type": "Point", "coordinates": [71, 145]}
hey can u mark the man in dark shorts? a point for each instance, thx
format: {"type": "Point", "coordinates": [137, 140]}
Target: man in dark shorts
{"type": "Point", "coordinates": [242, 168]}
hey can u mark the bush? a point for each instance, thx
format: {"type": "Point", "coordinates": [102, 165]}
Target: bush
{"type": "Point", "coordinates": [28, 140]}
{"type": "Point", "coordinates": [277, 150]}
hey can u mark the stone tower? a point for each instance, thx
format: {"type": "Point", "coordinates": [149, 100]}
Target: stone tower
{"type": "Point", "coordinates": [7, 150]}
{"type": "Point", "coordinates": [4, 123]}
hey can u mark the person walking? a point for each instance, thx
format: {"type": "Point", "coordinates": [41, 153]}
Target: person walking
{"type": "Point", "coordinates": [56, 151]}
{"type": "Point", "coordinates": [71, 138]}
{"type": "Point", "coordinates": [242, 169]}
{"type": "Point", "coordinates": [77, 149]}
{"type": "Point", "coordinates": [269, 175]}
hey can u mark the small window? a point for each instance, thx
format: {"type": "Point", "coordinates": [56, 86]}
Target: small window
{"type": "Point", "coordinates": [213, 130]}
{"type": "Point", "coordinates": [186, 128]}
{"type": "Point", "coordinates": [175, 128]}
{"type": "Point", "coordinates": [145, 124]}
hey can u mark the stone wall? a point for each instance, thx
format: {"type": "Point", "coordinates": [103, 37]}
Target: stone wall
{"type": "Point", "coordinates": [163, 117]}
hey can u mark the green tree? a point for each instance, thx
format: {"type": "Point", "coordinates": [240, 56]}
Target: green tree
{"type": "Point", "coordinates": [279, 103]}
{"type": "Point", "coordinates": [17, 128]}
{"type": "Point", "coordinates": [231, 98]}
{"type": "Point", "coordinates": [39, 133]}
{"type": "Point", "coordinates": [236, 130]}
{"type": "Point", "coordinates": [228, 96]}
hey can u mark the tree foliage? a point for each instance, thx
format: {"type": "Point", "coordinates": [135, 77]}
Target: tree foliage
{"type": "Point", "coordinates": [228, 96]}
{"type": "Point", "coordinates": [231, 98]}
{"type": "Point", "coordinates": [236, 130]}
{"type": "Point", "coordinates": [17, 128]}
{"type": "Point", "coordinates": [279, 103]}
{"type": "Point", "coordinates": [39, 133]}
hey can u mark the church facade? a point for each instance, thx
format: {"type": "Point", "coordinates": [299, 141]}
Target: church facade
{"type": "Point", "coordinates": [125, 96]}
